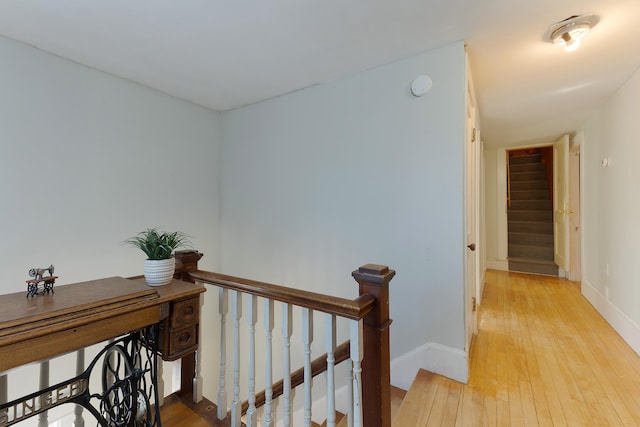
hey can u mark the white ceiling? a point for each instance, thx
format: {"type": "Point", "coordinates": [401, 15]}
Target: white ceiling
{"type": "Point", "coordinates": [227, 54]}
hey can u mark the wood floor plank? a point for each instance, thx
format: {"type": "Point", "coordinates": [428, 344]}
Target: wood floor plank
{"type": "Point", "coordinates": [441, 391]}
{"type": "Point", "coordinates": [553, 400]}
{"type": "Point", "coordinates": [489, 411]}
{"type": "Point", "coordinates": [503, 417]}
{"type": "Point", "coordinates": [465, 417]}
{"type": "Point", "coordinates": [453, 402]}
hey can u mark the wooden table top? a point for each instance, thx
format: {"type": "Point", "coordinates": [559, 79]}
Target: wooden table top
{"type": "Point", "coordinates": [18, 309]}
{"type": "Point", "coordinates": [84, 312]}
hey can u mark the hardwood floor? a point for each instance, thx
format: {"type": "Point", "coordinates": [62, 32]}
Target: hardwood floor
{"type": "Point", "coordinates": [183, 412]}
{"type": "Point", "coordinates": [543, 357]}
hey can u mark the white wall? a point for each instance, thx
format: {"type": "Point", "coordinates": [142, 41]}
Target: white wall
{"type": "Point", "coordinates": [610, 208]}
{"type": "Point", "coordinates": [355, 171]}
{"type": "Point", "coordinates": [88, 160]}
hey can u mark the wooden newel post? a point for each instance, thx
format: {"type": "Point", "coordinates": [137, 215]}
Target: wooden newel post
{"type": "Point", "coordinates": [376, 370]}
{"type": "Point", "coordinates": [186, 261]}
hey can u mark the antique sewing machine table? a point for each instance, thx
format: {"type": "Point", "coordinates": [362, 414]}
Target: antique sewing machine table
{"type": "Point", "coordinates": [162, 320]}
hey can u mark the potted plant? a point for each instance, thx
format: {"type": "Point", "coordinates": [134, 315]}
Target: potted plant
{"type": "Point", "coordinates": [159, 246]}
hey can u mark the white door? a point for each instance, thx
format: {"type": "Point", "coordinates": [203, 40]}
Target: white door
{"type": "Point", "coordinates": [472, 201]}
{"type": "Point", "coordinates": [561, 202]}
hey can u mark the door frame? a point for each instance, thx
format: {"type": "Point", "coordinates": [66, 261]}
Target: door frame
{"type": "Point", "coordinates": [501, 199]}
{"type": "Point", "coordinates": [561, 236]}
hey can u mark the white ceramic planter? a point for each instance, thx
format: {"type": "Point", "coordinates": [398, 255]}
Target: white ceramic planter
{"type": "Point", "coordinates": [159, 272]}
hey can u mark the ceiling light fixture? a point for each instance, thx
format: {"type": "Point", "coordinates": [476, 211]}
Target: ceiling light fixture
{"type": "Point", "coordinates": [570, 31]}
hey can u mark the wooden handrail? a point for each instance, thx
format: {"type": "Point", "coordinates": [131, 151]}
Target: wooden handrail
{"type": "Point", "coordinates": [351, 309]}
{"type": "Point", "coordinates": [318, 366]}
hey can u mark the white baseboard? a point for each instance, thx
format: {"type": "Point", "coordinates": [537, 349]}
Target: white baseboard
{"type": "Point", "coordinates": [450, 362]}
{"type": "Point", "coordinates": [623, 324]}
{"type": "Point", "coordinates": [500, 265]}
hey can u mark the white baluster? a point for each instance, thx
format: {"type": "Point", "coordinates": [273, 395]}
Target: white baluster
{"type": "Point", "coordinates": [357, 354]}
{"type": "Point", "coordinates": [236, 406]}
{"type": "Point", "coordinates": [197, 379]}
{"type": "Point", "coordinates": [160, 381]}
{"type": "Point", "coordinates": [307, 339]}
{"type": "Point", "coordinates": [252, 314]}
{"type": "Point", "coordinates": [223, 309]}
{"type": "Point", "coordinates": [330, 348]}
{"type": "Point", "coordinates": [43, 420]}
{"type": "Point", "coordinates": [268, 378]}
{"type": "Point", "coordinates": [79, 420]}
{"type": "Point", "coordinates": [350, 395]}
{"type": "Point", "coordinates": [287, 331]}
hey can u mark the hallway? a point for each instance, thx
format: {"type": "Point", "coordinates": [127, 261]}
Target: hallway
{"type": "Point", "coordinates": [544, 356]}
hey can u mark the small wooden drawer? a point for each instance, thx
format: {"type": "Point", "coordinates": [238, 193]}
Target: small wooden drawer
{"type": "Point", "coordinates": [183, 340]}
{"type": "Point", "coordinates": [185, 312]}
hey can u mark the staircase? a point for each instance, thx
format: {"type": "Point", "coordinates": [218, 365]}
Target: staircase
{"type": "Point", "coordinates": [530, 217]}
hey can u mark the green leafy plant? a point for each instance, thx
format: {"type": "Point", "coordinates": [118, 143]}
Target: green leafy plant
{"type": "Point", "coordinates": [158, 244]}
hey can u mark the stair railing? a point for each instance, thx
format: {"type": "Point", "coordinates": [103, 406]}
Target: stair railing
{"type": "Point", "coordinates": [366, 352]}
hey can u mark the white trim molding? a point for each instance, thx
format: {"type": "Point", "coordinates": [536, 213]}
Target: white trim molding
{"type": "Point", "coordinates": [500, 264]}
{"type": "Point", "coordinates": [447, 361]}
{"type": "Point", "coordinates": [623, 324]}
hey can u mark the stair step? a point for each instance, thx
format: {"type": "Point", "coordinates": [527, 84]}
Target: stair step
{"type": "Point", "coordinates": [397, 396]}
{"type": "Point", "coordinates": [539, 194]}
{"type": "Point", "coordinates": [520, 205]}
{"type": "Point", "coordinates": [539, 184]}
{"type": "Point", "coordinates": [531, 251]}
{"type": "Point", "coordinates": [527, 167]}
{"type": "Point", "coordinates": [528, 176]}
{"type": "Point", "coordinates": [530, 158]}
{"type": "Point", "coordinates": [530, 215]}
{"type": "Point", "coordinates": [548, 268]}
{"type": "Point", "coordinates": [539, 239]}
{"type": "Point", "coordinates": [531, 227]}
{"type": "Point", "coordinates": [431, 400]}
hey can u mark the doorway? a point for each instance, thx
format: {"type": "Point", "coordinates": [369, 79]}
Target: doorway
{"type": "Point", "coordinates": [530, 210]}
{"type": "Point", "coordinates": [523, 232]}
